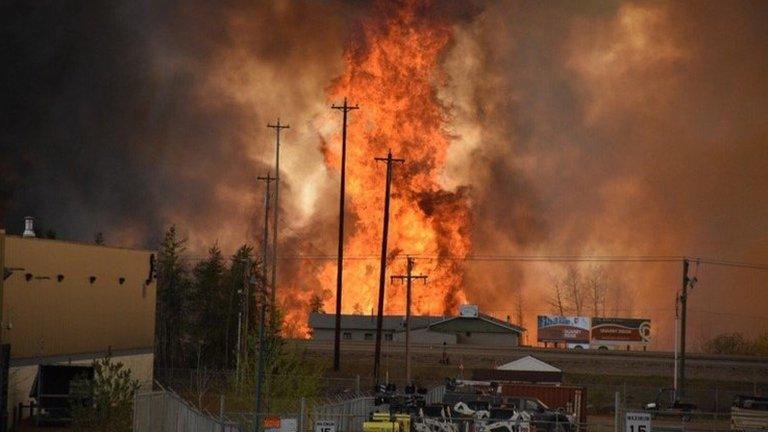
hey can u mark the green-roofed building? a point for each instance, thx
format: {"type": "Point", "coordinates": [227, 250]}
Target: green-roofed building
{"type": "Point", "coordinates": [469, 327]}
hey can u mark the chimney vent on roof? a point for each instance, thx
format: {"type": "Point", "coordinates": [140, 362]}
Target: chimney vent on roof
{"type": "Point", "coordinates": [469, 311]}
{"type": "Point", "coordinates": [29, 227]}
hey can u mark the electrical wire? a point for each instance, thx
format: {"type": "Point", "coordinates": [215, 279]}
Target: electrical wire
{"type": "Point", "coordinates": [525, 258]}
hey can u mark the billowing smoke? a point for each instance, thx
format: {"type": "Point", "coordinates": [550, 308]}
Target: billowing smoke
{"type": "Point", "coordinates": [124, 118]}
{"type": "Point", "coordinates": [626, 128]}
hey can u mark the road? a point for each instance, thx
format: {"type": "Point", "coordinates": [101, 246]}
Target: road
{"type": "Point", "coordinates": [630, 363]}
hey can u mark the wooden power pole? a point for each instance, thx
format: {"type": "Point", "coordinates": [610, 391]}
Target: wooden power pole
{"type": "Point", "coordinates": [682, 316]}
{"type": "Point", "coordinates": [408, 277]}
{"type": "Point", "coordinates": [262, 305]}
{"type": "Point", "coordinates": [340, 256]}
{"type": "Point", "coordinates": [382, 274]}
{"type": "Point", "coordinates": [273, 284]}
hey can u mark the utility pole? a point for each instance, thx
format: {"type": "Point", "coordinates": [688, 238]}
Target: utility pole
{"type": "Point", "coordinates": [681, 315]}
{"type": "Point", "coordinates": [382, 274]}
{"type": "Point", "coordinates": [273, 284]}
{"type": "Point", "coordinates": [265, 245]}
{"type": "Point", "coordinates": [2, 279]}
{"type": "Point", "coordinates": [408, 277]}
{"type": "Point", "coordinates": [246, 313]}
{"type": "Point", "coordinates": [262, 305]}
{"type": "Point", "coordinates": [340, 256]}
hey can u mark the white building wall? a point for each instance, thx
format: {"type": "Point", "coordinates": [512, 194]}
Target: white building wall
{"type": "Point", "coordinates": [20, 378]}
{"type": "Point", "coordinates": [488, 339]}
{"type": "Point", "coordinates": [427, 337]}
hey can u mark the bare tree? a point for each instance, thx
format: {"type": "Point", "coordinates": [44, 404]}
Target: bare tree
{"type": "Point", "coordinates": [619, 298]}
{"type": "Point", "coordinates": [202, 378]}
{"type": "Point", "coordinates": [557, 299]}
{"type": "Point", "coordinates": [594, 279]}
{"type": "Point", "coordinates": [578, 291]}
{"type": "Point", "coordinates": [574, 289]}
{"type": "Point", "coordinates": [519, 310]}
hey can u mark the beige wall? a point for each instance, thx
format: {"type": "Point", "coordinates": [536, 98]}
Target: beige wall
{"type": "Point", "coordinates": [74, 316]}
{"type": "Point", "coordinates": [20, 378]}
{"type": "Point", "coordinates": [488, 339]}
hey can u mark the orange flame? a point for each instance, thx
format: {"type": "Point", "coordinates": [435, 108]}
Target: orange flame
{"type": "Point", "coordinates": [393, 75]}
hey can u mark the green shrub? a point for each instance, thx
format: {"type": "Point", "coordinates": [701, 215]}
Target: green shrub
{"type": "Point", "coordinates": [105, 402]}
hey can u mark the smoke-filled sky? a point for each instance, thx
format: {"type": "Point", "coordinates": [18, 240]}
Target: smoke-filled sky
{"type": "Point", "coordinates": [577, 128]}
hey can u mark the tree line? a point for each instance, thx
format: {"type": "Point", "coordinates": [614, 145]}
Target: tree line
{"type": "Point", "coordinates": [200, 307]}
{"type": "Point", "coordinates": [738, 344]}
{"type": "Point", "coordinates": [588, 290]}
{"type": "Point", "coordinates": [207, 321]}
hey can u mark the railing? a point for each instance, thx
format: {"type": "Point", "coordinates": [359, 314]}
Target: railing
{"type": "Point", "coordinates": [348, 415]}
{"type": "Point", "coordinates": [165, 411]}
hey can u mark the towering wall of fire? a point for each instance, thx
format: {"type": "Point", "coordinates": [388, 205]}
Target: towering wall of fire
{"type": "Point", "coordinates": [392, 72]}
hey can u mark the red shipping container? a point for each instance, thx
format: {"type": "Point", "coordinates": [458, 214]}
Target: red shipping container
{"type": "Point", "coordinates": [572, 400]}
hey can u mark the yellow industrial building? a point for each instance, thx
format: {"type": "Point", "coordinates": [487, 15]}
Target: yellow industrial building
{"type": "Point", "coordinates": [66, 302]}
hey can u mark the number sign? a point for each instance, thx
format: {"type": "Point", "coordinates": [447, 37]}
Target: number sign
{"type": "Point", "coordinates": [325, 426]}
{"type": "Point", "coordinates": [637, 422]}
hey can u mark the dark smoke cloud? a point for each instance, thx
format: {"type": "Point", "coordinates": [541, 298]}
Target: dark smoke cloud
{"type": "Point", "coordinates": [125, 117]}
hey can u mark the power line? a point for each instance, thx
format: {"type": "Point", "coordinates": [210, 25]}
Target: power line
{"type": "Point", "coordinates": [725, 263]}
{"type": "Point", "coordinates": [526, 258]}
{"type": "Point", "coordinates": [546, 258]}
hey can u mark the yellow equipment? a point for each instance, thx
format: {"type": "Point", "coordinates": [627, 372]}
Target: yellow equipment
{"type": "Point", "coordinates": [405, 422]}
{"type": "Point", "coordinates": [384, 422]}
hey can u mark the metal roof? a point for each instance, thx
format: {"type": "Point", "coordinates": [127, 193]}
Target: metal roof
{"type": "Point", "coordinates": [481, 318]}
{"type": "Point", "coordinates": [397, 322]}
{"type": "Point", "coordinates": [529, 364]}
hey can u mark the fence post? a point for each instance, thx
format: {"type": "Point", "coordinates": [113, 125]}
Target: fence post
{"type": "Point", "coordinates": [301, 414]}
{"type": "Point", "coordinates": [624, 396]}
{"type": "Point", "coordinates": [221, 411]}
{"type": "Point", "coordinates": [134, 423]}
{"type": "Point", "coordinates": [357, 383]}
{"type": "Point", "coordinates": [616, 416]}
{"type": "Point", "coordinates": [197, 420]}
{"type": "Point", "coordinates": [149, 412]}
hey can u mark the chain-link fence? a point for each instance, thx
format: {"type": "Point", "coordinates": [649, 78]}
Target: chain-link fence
{"type": "Point", "coordinates": [348, 402]}
{"type": "Point", "coordinates": [714, 398]}
{"type": "Point", "coordinates": [219, 381]}
{"type": "Point", "coordinates": [165, 411]}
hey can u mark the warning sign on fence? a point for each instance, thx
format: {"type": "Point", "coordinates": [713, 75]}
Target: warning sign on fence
{"type": "Point", "coordinates": [272, 423]}
{"type": "Point", "coordinates": [637, 422]}
{"type": "Point", "coordinates": [290, 425]}
{"type": "Point", "coordinates": [325, 426]}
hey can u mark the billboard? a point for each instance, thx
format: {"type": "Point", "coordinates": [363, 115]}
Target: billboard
{"type": "Point", "coordinates": [572, 329]}
{"type": "Point", "coordinates": [621, 331]}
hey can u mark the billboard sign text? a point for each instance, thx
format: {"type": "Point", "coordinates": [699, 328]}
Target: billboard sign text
{"type": "Point", "coordinates": [621, 331]}
{"type": "Point", "coordinates": [553, 328]}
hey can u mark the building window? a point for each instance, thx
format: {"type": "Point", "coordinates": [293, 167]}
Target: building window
{"type": "Point", "coordinates": [368, 336]}
{"type": "Point", "coordinates": [347, 335]}
{"type": "Point", "coordinates": [468, 334]}
{"type": "Point", "coordinates": [388, 336]}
